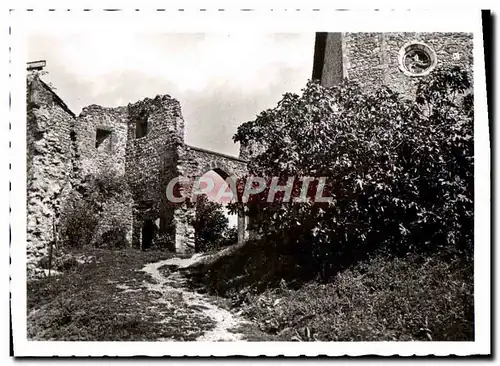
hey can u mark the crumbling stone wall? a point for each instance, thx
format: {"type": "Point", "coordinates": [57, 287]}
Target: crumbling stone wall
{"type": "Point", "coordinates": [101, 135]}
{"type": "Point", "coordinates": [142, 142]}
{"type": "Point", "coordinates": [61, 154]}
{"type": "Point", "coordinates": [110, 153]}
{"type": "Point", "coordinates": [50, 152]}
{"type": "Point", "coordinates": [152, 161]}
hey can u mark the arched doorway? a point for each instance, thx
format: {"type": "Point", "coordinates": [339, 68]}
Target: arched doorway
{"type": "Point", "coordinates": [199, 161]}
{"type": "Point", "coordinates": [215, 225]}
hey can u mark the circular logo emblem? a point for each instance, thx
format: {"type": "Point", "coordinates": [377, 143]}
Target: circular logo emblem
{"type": "Point", "coordinates": [417, 59]}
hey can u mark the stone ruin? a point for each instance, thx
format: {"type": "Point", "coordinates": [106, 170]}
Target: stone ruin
{"type": "Point", "coordinates": [144, 141]}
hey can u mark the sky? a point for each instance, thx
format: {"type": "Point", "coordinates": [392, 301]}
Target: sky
{"type": "Point", "coordinates": [221, 80]}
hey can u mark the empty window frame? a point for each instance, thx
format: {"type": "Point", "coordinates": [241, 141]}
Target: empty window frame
{"type": "Point", "coordinates": [103, 139]}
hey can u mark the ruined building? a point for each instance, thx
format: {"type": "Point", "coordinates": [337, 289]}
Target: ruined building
{"type": "Point", "coordinates": [144, 141]}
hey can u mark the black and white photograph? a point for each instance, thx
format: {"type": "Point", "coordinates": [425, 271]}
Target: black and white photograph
{"type": "Point", "coordinates": [249, 183]}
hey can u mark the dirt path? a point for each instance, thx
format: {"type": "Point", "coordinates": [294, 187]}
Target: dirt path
{"type": "Point", "coordinates": [174, 284]}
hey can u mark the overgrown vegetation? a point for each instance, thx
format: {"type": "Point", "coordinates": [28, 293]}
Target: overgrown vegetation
{"type": "Point", "coordinates": [382, 299]}
{"type": "Point", "coordinates": [389, 258]}
{"type": "Point", "coordinates": [399, 228]}
{"type": "Point", "coordinates": [82, 216]}
{"type": "Point", "coordinates": [211, 226]}
{"type": "Point", "coordinates": [400, 170]}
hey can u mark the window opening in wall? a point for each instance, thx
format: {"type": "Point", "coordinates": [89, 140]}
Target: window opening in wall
{"type": "Point", "coordinates": [103, 139]}
{"type": "Point", "coordinates": [141, 126]}
{"type": "Point", "coordinates": [417, 59]}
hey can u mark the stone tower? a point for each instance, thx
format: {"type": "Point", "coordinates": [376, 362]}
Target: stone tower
{"type": "Point", "coordinates": [393, 59]}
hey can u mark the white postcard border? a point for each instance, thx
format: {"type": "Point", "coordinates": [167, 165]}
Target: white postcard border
{"type": "Point", "coordinates": [278, 20]}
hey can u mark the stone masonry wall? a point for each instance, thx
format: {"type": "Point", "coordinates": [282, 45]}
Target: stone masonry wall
{"type": "Point", "coordinates": [362, 58]}
{"type": "Point", "coordinates": [111, 152]}
{"type": "Point", "coordinates": [372, 58]}
{"type": "Point", "coordinates": [450, 48]}
{"type": "Point", "coordinates": [152, 160]}
{"type": "Point", "coordinates": [61, 152]}
{"type": "Point", "coordinates": [101, 150]}
{"type": "Point", "coordinates": [196, 162]}
{"type": "Point", "coordinates": [143, 143]}
{"type": "Point", "coordinates": [50, 140]}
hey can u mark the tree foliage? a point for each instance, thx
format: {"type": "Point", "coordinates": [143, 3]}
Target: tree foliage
{"type": "Point", "coordinates": [400, 169]}
{"type": "Point", "coordinates": [82, 215]}
{"type": "Point", "coordinates": [211, 226]}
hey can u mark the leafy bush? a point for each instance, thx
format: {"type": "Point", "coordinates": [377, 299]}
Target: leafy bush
{"type": "Point", "coordinates": [393, 299]}
{"type": "Point", "coordinates": [115, 238]}
{"type": "Point", "coordinates": [80, 221]}
{"type": "Point", "coordinates": [106, 185]}
{"type": "Point", "coordinates": [81, 217]}
{"type": "Point", "coordinates": [210, 224]}
{"type": "Point", "coordinates": [400, 170]}
{"type": "Point", "coordinates": [230, 237]}
{"type": "Point", "coordinates": [60, 263]}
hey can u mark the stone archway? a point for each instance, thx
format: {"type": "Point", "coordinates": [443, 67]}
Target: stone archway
{"type": "Point", "coordinates": [231, 181]}
{"type": "Point", "coordinates": [195, 162]}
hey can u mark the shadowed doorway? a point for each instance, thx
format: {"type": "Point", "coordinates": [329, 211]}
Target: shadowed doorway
{"type": "Point", "coordinates": [148, 233]}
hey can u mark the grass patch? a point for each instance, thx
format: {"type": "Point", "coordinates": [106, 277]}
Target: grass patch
{"type": "Point", "coordinates": [383, 299]}
{"type": "Point", "coordinates": [108, 300]}
{"type": "Point", "coordinates": [248, 267]}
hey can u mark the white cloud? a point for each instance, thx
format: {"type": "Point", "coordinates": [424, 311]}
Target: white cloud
{"type": "Point", "coordinates": [243, 60]}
